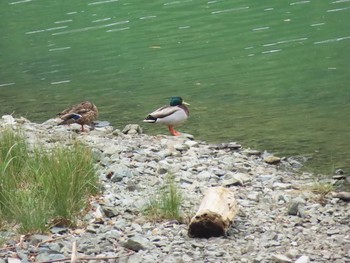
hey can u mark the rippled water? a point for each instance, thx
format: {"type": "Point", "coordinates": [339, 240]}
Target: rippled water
{"type": "Point", "coordinates": [270, 74]}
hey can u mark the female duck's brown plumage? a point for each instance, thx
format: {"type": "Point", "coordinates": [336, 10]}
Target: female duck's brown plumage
{"type": "Point", "coordinates": [82, 113]}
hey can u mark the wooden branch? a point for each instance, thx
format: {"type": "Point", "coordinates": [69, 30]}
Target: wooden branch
{"type": "Point", "coordinates": [74, 257]}
{"type": "Point", "coordinates": [345, 196]}
{"type": "Point", "coordinates": [215, 214]}
{"type": "Point", "coordinates": [50, 240]}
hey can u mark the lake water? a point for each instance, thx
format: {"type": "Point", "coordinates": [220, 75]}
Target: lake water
{"type": "Point", "coordinates": [271, 75]}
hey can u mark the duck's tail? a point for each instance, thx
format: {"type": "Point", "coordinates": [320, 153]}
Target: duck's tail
{"type": "Point", "coordinates": [150, 119]}
{"type": "Point", "coordinates": [70, 118]}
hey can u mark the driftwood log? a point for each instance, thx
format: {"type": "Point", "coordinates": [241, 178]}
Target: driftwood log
{"type": "Point", "coordinates": [215, 214]}
{"type": "Point", "coordinates": [345, 196]}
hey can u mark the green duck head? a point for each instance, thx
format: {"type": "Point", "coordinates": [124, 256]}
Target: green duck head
{"type": "Point", "coordinates": [176, 101]}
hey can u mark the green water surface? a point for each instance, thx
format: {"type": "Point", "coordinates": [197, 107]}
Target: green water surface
{"type": "Point", "coordinates": [271, 74]}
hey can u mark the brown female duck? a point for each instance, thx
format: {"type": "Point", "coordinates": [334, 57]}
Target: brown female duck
{"type": "Point", "coordinates": [82, 113]}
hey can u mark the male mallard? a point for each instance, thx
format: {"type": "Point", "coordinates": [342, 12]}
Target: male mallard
{"type": "Point", "coordinates": [82, 113]}
{"type": "Point", "coordinates": [171, 115]}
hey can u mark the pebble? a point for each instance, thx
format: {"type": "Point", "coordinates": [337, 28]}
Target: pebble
{"type": "Point", "coordinates": [275, 223]}
{"type": "Point", "coordinates": [281, 259]}
{"type": "Point", "coordinates": [303, 259]}
{"type": "Point", "coordinates": [272, 160]}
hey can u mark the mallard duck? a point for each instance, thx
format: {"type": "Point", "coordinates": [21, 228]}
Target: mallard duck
{"type": "Point", "coordinates": [171, 115]}
{"type": "Point", "coordinates": [82, 113]}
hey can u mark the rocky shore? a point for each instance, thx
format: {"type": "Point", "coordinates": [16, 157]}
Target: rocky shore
{"type": "Point", "coordinates": [280, 218]}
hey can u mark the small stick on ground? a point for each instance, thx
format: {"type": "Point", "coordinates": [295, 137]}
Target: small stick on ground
{"type": "Point", "coordinates": [74, 253]}
{"type": "Point", "coordinates": [50, 240]}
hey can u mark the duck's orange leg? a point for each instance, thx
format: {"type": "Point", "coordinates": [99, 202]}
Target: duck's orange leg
{"type": "Point", "coordinates": [82, 127]}
{"type": "Point", "coordinates": [173, 132]}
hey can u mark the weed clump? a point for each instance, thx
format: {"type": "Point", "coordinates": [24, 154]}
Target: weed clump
{"type": "Point", "coordinates": [166, 202]}
{"type": "Point", "coordinates": [41, 186]}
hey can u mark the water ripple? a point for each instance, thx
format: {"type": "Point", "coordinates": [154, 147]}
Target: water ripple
{"type": "Point", "coordinates": [172, 3]}
{"type": "Point", "coordinates": [147, 17]}
{"type": "Point", "coordinates": [331, 40]}
{"type": "Point", "coordinates": [101, 20]}
{"type": "Point", "coordinates": [20, 2]}
{"type": "Point", "coordinates": [60, 82]}
{"type": "Point", "coordinates": [318, 24]}
{"type": "Point", "coordinates": [118, 29]}
{"type": "Point", "coordinates": [102, 2]}
{"type": "Point", "coordinates": [285, 41]}
{"type": "Point", "coordinates": [59, 48]}
{"type": "Point", "coordinates": [7, 84]}
{"type": "Point", "coordinates": [337, 9]}
{"type": "Point", "coordinates": [271, 51]}
{"type": "Point", "coordinates": [340, 1]}
{"type": "Point", "coordinates": [260, 28]}
{"type": "Point", "coordinates": [229, 10]}
{"type": "Point", "coordinates": [48, 29]}
{"type": "Point", "coordinates": [89, 28]}
{"type": "Point", "coordinates": [176, 2]}
{"type": "Point", "coordinates": [63, 21]}
{"type": "Point", "coordinates": [300, 3]}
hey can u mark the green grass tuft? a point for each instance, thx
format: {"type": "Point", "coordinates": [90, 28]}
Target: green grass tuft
{"type": "Point", "coordinates": [166, 203]}
{"type": "Point", "coordinates": [42, 186]}
{"type": "Point", "coordinates": [322, 188]}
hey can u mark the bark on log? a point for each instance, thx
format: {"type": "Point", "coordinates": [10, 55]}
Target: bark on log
{"type": "Point", "coordinates": [215, 214]}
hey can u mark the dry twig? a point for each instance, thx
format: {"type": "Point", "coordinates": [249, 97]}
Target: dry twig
{"type": "Point", "coordinates": [50, 240]}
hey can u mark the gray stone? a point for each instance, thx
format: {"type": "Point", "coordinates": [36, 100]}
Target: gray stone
{"type": "Point", "coordinates": [49, 257]}
{"type": "Point", "coordinates": [58, 230]}
{"type": "Point", "coordinates": [191, 143]}
{"type": "Point", "coordinates": [8, 120]}
{"type": "Point", "coordinates": [120, 172]}
{"type": "Point", "coordinates": [243, 178]}
{"type": "Point", "coordinates": [36, 239]}
{"type": "Point", "coordinates": [181, 147]}
{"type": "Point", "coordinates": [281, 186]}
{"type": "Point", "coordinates": [204, 175]}
{"type": "Point", "coordinates": [293, 208]}
{"type": "Point", "coordinates": [110, 211]}
{"type": "Point", "coordinates": [281, 259]}
{"type": "Point", "coordinates": [292, 253]}
{"type": "Point", "coordinates": [56, 247]}
{"type": "Point", "coordinates": [303, 259]}
{"type": "Point", "coordinates": [250, 152]}
{"type": "Point", "coordinates": [272, 159]}
{"type": "Point", "coordinates": [133, 245]}
{"type": "Point", "coordinates": [254, 196]}
{"type": "Point", "coordinates": [231, 182]}
{"type": "Point", "coordinates": [132, 129]}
